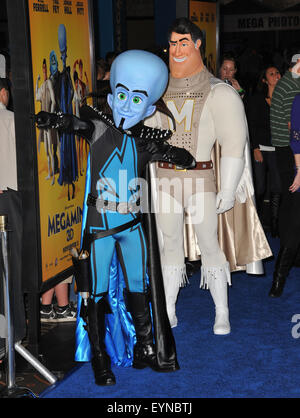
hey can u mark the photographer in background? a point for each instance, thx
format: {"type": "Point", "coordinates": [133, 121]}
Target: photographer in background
{"type": "Point", "coordinates": [228, 69]}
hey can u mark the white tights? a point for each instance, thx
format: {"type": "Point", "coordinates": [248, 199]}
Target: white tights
{"type": "Point", "coordinates": [202, 208]}
{"type": "Point", "coordinates": [215, 272]}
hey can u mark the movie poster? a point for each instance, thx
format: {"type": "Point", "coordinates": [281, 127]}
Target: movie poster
{"type": "Point", "coordinates": [62, 62]}
{"type": "Point", "coordinates": [204, 15]}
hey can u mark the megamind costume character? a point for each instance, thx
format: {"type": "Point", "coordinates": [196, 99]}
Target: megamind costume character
{"type": "Point", "coordinates": [119, 152]}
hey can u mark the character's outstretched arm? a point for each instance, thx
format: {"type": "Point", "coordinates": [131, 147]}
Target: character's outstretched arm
{"type": "Point", "coordinates": [162, 151]}
{"type": "Point", "coordinates": [230, 126]}
{"type": "Point", "coordinates": [65, 123]}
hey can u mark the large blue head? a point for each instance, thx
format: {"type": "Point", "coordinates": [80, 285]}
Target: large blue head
{"type": "Point", "coordinates": [137, 79]}
{"type": "Point", "coordinates": [62, 41]}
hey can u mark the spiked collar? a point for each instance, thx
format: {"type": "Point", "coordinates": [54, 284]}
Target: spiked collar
{"type": "Point", "coordinates": [139, 131]}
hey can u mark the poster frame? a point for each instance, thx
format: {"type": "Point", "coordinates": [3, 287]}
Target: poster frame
{"type": "Point", "coordinates": [27, 163]}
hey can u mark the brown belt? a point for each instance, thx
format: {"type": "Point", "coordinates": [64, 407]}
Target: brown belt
{"type": "Point", "coordinates": [200, 165]}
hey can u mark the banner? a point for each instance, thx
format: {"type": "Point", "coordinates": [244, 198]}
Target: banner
{"type": "Point", "coordinates": [262, 22]}
{"type": "Point", "coordinates": [62, 62]}
{"type": "Point", "coordinates": [204, 15]}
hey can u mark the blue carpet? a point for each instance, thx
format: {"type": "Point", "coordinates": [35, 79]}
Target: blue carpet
{"type": "Point", "coordinates": [259, 359]}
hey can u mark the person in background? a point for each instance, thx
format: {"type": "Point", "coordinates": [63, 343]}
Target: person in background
{"type": "Point", "coordinates": [102, 86]}
{"type": "Point", "coordinates": [64, 311]}
{"type": "Point", "coordinates": [228, 69]}
{"type": "Point", "coordinates": [11, 205]}
{"type": "Point", "coordinates": [295, 142]}
{"type": "Point", "coordinates": [102, 67]}
{"type": "Point", "coordinates": [258, 113]}
{"type": "Point", "coordinates": [289, 222]}
{"type": "Point", "coordinates": [8, 163]}
{"type": "Point", "coordinates": [109, 59]}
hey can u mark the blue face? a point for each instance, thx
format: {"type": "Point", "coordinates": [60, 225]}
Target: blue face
{"type": "Point", "coordinates": [129, 106]}
{"type": "Point", "coordinates": [138, 79]}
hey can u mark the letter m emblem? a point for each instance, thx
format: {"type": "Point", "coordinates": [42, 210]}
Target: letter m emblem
{"type": "Point", "coordinates": [182, 115]}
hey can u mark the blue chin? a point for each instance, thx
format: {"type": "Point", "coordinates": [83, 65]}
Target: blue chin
{"type": "Point", "coordinates": [128, 123]}
{"type": "Point", "coordinates": [125, 122]}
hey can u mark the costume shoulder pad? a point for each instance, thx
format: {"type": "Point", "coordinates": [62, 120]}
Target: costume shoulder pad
{"type": "Point", "coordinates": [147, 133]}
{"type": "Point", "coordinates": [88, 112]}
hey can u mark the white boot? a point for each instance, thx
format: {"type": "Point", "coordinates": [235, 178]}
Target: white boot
{"type": "Point", "coordinates": [222, 325]}
{"type": "Point", "coordinates": [174, 278]}
{"type": "Point", "coordinates": [216, 279]}
{"type": "Point", "coordinates": [171, 300]}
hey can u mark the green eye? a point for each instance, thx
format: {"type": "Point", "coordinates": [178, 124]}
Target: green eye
{"type": "Point", "coordinates": [121, 96]}
{"type": "Point", "coordinates": [137, 100]}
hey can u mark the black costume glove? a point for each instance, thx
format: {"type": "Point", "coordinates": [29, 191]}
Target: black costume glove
{"type": "Point", "coordinates": [66, 123]}
{"type": "Point", "coordinates": [46, 120]}
{"type": "Point", "coordinates": [162, 151]}
{"type": "Point", "coordinates": [178, 156]}
{"type": "Point", "coordinates": [155, 146]}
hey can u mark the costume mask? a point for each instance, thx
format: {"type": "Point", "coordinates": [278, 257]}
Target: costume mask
{"type": "Point", "coordinates": [184, 55]}
{"type": "Point", "coordinates": [137, 79]}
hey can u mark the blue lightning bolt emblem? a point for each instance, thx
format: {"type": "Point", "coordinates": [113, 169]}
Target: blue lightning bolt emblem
{"type": "Point", "coordinates": [115, 175]}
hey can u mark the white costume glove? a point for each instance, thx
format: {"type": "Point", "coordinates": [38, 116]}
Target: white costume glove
{"type": "Point", "coordinates": [231, 171]}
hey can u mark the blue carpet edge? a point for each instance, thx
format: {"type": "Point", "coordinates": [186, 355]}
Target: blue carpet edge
{"type": "Point", "coordinates": [59, 382]}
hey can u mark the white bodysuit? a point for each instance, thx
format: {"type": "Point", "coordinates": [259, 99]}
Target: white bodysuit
{"type": "Point", "coordinates": [205, 110]}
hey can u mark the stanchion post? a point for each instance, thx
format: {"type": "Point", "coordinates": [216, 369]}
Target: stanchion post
{"type": "Point", "coordinates": [10, 353]}
{"type": "Point", "coordinates": [12, 390]}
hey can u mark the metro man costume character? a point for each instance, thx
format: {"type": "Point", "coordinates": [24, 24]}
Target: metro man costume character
{"type": "Point", "coordinates": [205, 109]}
{"type": "Point", "coordinates": [119, 152]}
